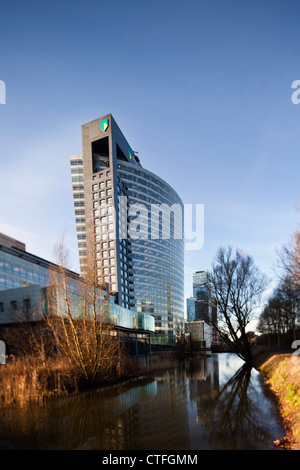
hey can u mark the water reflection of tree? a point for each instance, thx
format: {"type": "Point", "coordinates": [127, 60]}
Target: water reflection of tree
{"type": "Point", "coordinates": [236, 418]}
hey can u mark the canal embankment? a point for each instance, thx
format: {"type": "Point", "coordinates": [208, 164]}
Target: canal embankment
{"type": "Point", "coordinates": [282, 372]}
{"type": "Point", "coordinates": [36, 379]}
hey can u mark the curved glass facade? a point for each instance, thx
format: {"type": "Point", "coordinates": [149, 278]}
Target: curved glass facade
{"type": "Point", "coordinates": [157, 248]}
{"type": "Point", "coordinates": [133, 221]}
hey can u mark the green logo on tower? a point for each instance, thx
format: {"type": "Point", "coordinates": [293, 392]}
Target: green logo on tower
{"type": "Point", "coordinates": [104, 124]}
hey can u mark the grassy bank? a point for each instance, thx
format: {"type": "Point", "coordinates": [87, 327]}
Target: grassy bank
{"type": "Point", "coordinates": [283, 375]}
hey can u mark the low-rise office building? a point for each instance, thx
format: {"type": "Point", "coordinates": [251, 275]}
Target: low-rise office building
{"type": "Point", "coordinates": [199, 333]}
{"type": "Point", "coordinates": [27, 282]}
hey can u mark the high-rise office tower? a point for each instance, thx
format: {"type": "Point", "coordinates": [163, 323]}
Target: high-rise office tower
{"type": "Point", "coordinates": [133, 220]}
{"type": "Point", "coordinates": [199, 305]}
{"type": "Point", "coordinates": [202, 307]}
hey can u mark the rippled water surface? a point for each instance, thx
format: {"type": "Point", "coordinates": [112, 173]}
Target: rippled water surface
{"type": "Point", "coordinates": [211, 403]}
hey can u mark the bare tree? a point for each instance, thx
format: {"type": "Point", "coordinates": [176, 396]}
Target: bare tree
{"type": "Point", "coordinates": [236, 285]}
{"type": "Point", "coordinates": [77, 316]}
{"type": "Point", "coordinates": [280, 314]}
{"type": "Point", "coordinates": [289, 260]}
{"type": "Point", "coordinates": [289, 280]}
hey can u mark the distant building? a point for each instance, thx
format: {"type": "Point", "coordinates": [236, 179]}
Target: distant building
{"type": "Point", "coordinates": [199, 332]}
{"type": "Point", "coordinates": [200, 307]}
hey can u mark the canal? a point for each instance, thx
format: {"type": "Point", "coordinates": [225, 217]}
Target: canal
{"type": "Point", "coordinates": [209, 403]}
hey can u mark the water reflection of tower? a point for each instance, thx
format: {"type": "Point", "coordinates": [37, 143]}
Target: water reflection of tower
{"type": "Point", "coordinates": [141, 422]}
{"type": "Point", "coordinates": [204, 386]}
{"type": "Point", "coordinates": [122, 430]}
{"type": "Point", "coordinates": [164, 421]}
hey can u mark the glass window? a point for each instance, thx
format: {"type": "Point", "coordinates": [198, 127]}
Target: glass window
{"type": "Point", "coordinates": [79, 212]}
{"type": "Point", "coordinates": [78, 196]}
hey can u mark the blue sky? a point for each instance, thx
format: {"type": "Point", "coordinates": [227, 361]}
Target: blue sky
{"type": "Point", "coordinates": [201, 89]}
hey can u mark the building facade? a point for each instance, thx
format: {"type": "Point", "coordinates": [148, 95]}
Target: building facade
{"type": "Point", "coordinates": [200, 333]}
{"type": "Point", "coordinates": [200, 308]}
{"type": "Point", "coordinates": [129, 224]}
{"type": "Point", "coordinates": [26, 284]}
